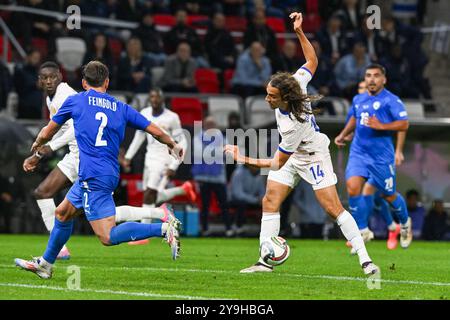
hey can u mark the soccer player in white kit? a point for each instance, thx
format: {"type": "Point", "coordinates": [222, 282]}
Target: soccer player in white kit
{"type": "Point", "coordinates": [66, 172]}
{"type": "Point", "coordinates": [303, 154]}
{"type": "Point", "coordinates": [159, 165]}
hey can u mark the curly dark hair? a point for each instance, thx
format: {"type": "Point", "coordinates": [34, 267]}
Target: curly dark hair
{"type": "Point", "coordinates": [290, 91]}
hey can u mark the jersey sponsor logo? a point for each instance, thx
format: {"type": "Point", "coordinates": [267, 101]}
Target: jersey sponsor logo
{"type": "Point", "coordinates": [376, 105]}
{"type": "Point", "coordinates": [403, 114]}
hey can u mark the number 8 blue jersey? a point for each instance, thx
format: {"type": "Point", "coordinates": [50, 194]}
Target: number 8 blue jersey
{"type": "Point", "coordinates": [376, 145]}
{"type": "Point", "coordinates": [99, 121]}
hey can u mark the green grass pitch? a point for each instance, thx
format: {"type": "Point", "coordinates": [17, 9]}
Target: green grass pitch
{"type": "Point", "coordinates": [209, 269]}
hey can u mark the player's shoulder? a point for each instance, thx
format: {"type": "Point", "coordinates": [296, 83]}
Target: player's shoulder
{"type": "Point", "coordinates": [360, 97]}
{"type": "Point", "coordinates": [390, 97]}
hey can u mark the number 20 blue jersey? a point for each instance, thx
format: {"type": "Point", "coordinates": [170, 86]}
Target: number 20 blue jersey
{"type": "Point", "coordinates": [99, 121]}
{"type": "Point", "coordinates": [368, 142]}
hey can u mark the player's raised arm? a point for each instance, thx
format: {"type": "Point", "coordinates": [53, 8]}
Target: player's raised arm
{"type": "Point", "coordinates": [308, 49]}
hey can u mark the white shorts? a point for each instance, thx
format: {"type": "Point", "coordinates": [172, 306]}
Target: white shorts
{"type": "Point", "coordinates": [318, 173]}
{"type": "Point", "coordinates": [69, 166]}
{"type": "Point", "coordinates": [154, 172]}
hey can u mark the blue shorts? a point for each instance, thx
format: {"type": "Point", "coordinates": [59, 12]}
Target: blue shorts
{"type": "Point", "coordinates": [95, 196]}
{"type": "Point", "coordinates": [380, 175]}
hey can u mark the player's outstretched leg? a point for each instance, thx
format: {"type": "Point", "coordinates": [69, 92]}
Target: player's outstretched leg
{"type": "Point", "coordinates": [398, 206]}
{"type": "Point", "coordinates": [187, 189]}
{"type": "Point", "coordinates": [42, 266]}
{"type": "Point", "coordinates": [329, 200]}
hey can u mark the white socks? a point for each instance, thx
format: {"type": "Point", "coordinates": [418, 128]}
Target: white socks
{"type": "Point", "coordinates": [167, 194]}
{"type": "Point", "coordinates": [48, 209]}
{"type": "Point", "coordinates": [350, 230]}
{"type": "Point", "coordinates": [270, 227]}
{"type": "Point", "coordinates": [148, 219]}
{"type": "Point", "coordinates": [147, 212]}
{"type": "Point", "coordinates": [392, 226]}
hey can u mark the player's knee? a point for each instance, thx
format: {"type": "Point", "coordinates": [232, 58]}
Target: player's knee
{"type": "Point", "coordinates": [104, 239]}
{"type": "Point", "coordinates": [269, 203]}
{"type": "Point", "coordinates": [42, 193]}
{"type": "Point", "coordinates": [61, 215]}
{"type": "Point", "coordinates": [353, 189]}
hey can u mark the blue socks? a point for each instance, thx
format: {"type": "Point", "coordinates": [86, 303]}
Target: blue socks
{"type": "Point", "coordinates": [132, 231]}
{"type": "Point", "coordinates": [357, 207]}
{"type": "Point", "coordinates": [58, 238]}
{"type": "Point", "coordinates": [398, 207]}
{"type": "Point", "coordinates": [382, 208]}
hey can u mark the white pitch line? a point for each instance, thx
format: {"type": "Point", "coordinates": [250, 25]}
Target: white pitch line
{"type": "Point", "coordinates": [126, 293]}
{"type": "Point", "coordinates": [329, 277]}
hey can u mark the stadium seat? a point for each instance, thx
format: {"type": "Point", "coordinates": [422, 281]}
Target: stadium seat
{"type": "Point", "coordinates": [188, 109]}
{"type": "Point", "coordinates": [198, 21]}
{"type": "Point", "coordinates": [276, 24]}
{"type": "Point", "coordinates": [259, 114]}
{"type": "Point", "coordinates": [9, 52]}
{"type": "Point", "coordinates": [157, 74]}
{"type": "Point", "coordinates": [41, 45]}
{"type": "Point", "coordinates": [220, 108]}
{"type": "Point", "coordinates": [70, 52]}
{"type": "Point", "coordinates": [207, 80]}
{"type": "Point", "coordinates": [167, 20]}
{"type": "Point", "coordinates": [415, 109]}
{"type": "Point", "coordinates": [235, 23]}
{"type": "Point", "coordinates": [227, 77]}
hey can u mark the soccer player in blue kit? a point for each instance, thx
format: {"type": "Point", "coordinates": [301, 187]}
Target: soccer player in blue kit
{"type": "Point", "coordinates": [377, 114]}
{"type": "Point", "coordinates": [99, 121]}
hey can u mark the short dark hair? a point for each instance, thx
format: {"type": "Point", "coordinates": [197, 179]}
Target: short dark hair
{"type": "Point", "coordinates": [377, 66]}
{"type": "Point", "coordinates": [412, 192]}
{"type": "Point", "coordinates": [95, 73]}
{"type": "Point", "coordinates": [49, 64]}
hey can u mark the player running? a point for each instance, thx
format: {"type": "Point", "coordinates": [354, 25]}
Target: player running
{"type": "Point", "coordinates": [303, 154]}
{"type": "Point", "coordinates": [377, 113]}
{"type": "Point", "coordinates": [66, 172]}
{"type": "Point", "coordinates": [99, 123]}
{"type": "Point", "coordinates": [159, 165]}
{"type": "Point", "coordinates": [380, 206]}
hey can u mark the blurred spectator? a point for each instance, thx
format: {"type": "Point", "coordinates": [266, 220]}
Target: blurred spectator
{"type": "Point", "coordinates": [371, 40]}
{"type": "Point", "coordinates": [5, 85]}
{"type": "Point", "coordinates": [195, 7]}
{"type": "Point", "coordinates": [268, 6]}
{"type": "Point", "coordinates": [7, 197]}
{"type": "Point", "coordinates": [129, 10]}
{"type": "Point", "coordinates": [289, 61]}
{"type": "Point", "coordinates": [99, 49]}
{"type": "Point", "coordinates": [181, 32]}
{"type": "Point", "coordinates": [350, 15]}
{"type": "Point", "coordinates": [323, 77]}
{"type": "Point", "coordinates": [219, 44]}
{"type": "Point", "coordinates": [234, 120]}
{"type": "Point", "coordinates": [179, 71]}
{"type": "Point", "coordinates": [312, 216]}
{"type": "Point", "coordinates": [399, 78]}
{"type": "Point", "coordinates": [435, 225]}
{"type": "Point", "coordinates": [350, 69]}
{"type": "Point", "coordinates": [332, 39]}
{"type": "Point", "coordinates": [27, 25]}
{"type": "Point", "coordinates": [233, 7]}
{"type": "Point", "coordinates": [134, 71]}
{"type": "Point", "coordinates": [252, 71]}
{"type": "Point", "coordinates": [26, 86]}
{"type": "Point", "coordinates": [260, 32]}
{"type": "Point", "coordinates": [209, 171]}
{"type": "Point", "coordinates": [246, 191]}
{"type": "Point", "coordinates": [416, 211]}
{"type": "Point", "coordinates": [151, 39]}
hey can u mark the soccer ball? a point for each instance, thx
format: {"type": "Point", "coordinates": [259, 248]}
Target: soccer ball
{"type": "Point", "coordinates": [274, 251]}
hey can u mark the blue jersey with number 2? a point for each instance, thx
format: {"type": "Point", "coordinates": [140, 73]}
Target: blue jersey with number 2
{"type": "Point", "coordinates": [368, 142]}
{"type": "Point", "coordinates": [99, 121]}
